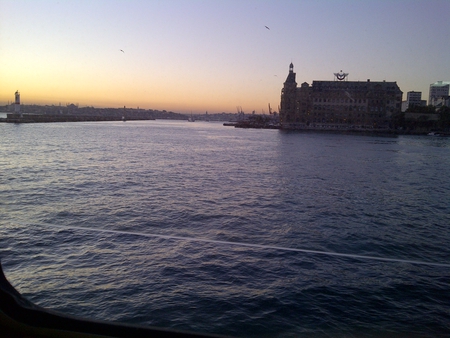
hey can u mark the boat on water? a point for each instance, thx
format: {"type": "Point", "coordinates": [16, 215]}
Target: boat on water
{"type": "Point", "coordinates": [20, 318]}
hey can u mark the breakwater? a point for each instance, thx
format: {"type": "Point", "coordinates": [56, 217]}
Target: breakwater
{"type": "Point", "coordinates": [45, 118]}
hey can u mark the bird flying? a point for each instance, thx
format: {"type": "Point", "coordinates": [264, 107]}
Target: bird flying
{"type": "Point", "coordinates": [122, 50]}
{"type": "Point", "coordinates": [267, 28]}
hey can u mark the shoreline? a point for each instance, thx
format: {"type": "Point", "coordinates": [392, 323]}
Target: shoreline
{"type": "Point", "coordinates": [37, 118]}
{"type": "Point", "coordinates": [353, 131]}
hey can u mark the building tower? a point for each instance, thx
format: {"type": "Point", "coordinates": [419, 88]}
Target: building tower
{"type": "Point", "coordinates": [288, 96]}
{"type": "Point", "coordinates": [17, 102]}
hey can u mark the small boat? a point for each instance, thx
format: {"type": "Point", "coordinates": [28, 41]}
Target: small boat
{"type": "Point", "coordinates": [433, 134]}
{"type": "Point", "coordinates": [19, 318]}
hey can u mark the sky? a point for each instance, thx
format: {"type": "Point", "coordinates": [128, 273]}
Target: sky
{"type": "Point", "coordinates": [197, 55]}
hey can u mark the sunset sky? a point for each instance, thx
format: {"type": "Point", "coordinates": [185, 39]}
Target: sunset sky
{"type": "Point", "coordinates": [212, 55]}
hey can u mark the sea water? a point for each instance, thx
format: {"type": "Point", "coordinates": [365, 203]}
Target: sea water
{"type": "Point", "coordinates": [241, 232]}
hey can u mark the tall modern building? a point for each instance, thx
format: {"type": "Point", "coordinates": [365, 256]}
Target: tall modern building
{"type": "Point", "coordinates": [338, 104]}
{"type": "Point", "coordinates": [413, 99]}
{"type": "Point", "coordinates": [439, 91]}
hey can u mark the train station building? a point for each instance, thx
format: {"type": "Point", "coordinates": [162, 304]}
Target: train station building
{"type": "Point", "coordinates": [338, 104]}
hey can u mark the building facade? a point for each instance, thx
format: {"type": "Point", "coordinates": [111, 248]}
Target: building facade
{"type": "Point", "coordinates": [338, 104]}
{"type": "Point", "coordinates": [439, 93]}
{"type": "Point", "coordinates": [413, 99]}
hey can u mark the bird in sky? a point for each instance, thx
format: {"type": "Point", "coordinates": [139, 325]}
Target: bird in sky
{"type": "Point", "coordinates": [267, 28]}
{"type": "Point", "coordinates": [122, 50]}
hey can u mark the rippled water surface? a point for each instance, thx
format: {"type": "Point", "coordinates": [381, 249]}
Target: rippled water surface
{"type": "Point", "coordinates": [249, 233]}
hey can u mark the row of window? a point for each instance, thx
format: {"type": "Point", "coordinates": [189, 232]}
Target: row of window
{"type": "Point", "coordinates": [372, 116]}
{"type": "Point", "coordinates": [345, 115]}
{"type": "Point", "coordinates": [357, 101]}
{"type": "Point", "coordinates": [330, 121]}
{"type": "Point", "coordinates": [336, 121]}
{"type": "Point", "coordinates": [340, 108]}
{"type": "Point", "coordinates": [340, 100]}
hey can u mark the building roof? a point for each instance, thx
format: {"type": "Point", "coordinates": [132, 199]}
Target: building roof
{"type": "Point", "coordinates": [355, 85]}
{"type": "Point", "coordinates": [440, 84]}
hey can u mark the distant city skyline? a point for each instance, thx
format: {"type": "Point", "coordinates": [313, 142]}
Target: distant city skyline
{"type": "Point", "coordinates": [197, 56]}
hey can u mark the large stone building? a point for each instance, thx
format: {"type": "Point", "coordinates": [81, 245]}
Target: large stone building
{"type": "Point", "coordinates": [338, 104]}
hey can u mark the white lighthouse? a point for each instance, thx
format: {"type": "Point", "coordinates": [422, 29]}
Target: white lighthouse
{"type": "Point", "coordinates": [17, 103]}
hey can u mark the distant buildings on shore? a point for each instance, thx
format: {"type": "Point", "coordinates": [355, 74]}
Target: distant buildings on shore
{"type": "Point", "coordinates": [327, 105]}
{"type": "Point", "coordinates": [338, 104]}
{"type": "Point", "coordinates": [14, 111]}
{"type": "Point", "coordinates": [438, 96]}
